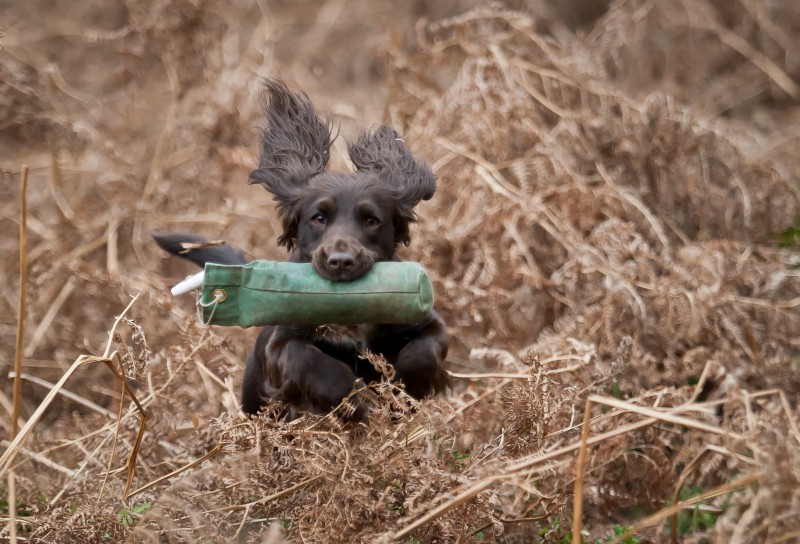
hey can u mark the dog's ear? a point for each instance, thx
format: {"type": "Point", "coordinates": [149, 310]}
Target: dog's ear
{"type": "Point", "coordinates": [295, 146]}
{"type": "Point", "coordinates": [382, 151]}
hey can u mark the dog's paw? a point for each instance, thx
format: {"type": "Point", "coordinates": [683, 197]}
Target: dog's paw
{"type": "Point", "coordinates": [420, 368]}
{"type": "Point", "coordinates": [330, 386]}
{"type": "Point", "coordinates": [355, 406]}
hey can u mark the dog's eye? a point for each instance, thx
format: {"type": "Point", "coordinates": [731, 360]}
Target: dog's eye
{"type": "Point", "coordinates": [318, 218]}
{"type": "Point", "coordinates": [372, 221]}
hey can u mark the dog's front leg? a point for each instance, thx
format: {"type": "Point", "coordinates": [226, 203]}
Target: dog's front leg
{"type": "Point", "coordinates": [420, 362]}
{"type": "Point", "coordinates": [309, 379]}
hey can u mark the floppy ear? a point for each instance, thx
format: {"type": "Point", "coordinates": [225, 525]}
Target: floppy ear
{"type": "Point", "coordinates": [295, 145]}
{"type": "Point", "coordinates": [382, 151]}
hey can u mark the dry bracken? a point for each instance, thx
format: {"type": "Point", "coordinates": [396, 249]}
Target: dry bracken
{"type": "Point", "coordinates": [612, 185]}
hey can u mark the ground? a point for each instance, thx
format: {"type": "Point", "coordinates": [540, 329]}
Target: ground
{"type": "Point", "coordinates": [614, 239]}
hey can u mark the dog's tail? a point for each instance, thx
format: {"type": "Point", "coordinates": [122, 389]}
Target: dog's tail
{"type": "Point", "coordinates": [197, 249]}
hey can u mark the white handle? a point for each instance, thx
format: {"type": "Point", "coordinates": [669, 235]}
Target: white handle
{"type": "Point", "coordinates": [190, 283]}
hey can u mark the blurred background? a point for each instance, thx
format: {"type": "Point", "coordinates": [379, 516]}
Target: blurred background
{"type": "Point", "coordinates": [136, 117]}
{"type": "Point", "coordinates": [618, 185]}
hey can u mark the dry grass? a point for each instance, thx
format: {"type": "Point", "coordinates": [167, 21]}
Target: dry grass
{"type": "Point", "coordinates": [612, 184]}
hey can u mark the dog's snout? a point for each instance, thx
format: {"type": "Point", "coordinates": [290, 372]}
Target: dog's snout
{"type": "Point", "coordinates": [341, 261]}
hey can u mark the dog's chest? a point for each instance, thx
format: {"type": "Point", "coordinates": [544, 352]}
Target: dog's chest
{"type": "Point", "coordinates": [355, 337]}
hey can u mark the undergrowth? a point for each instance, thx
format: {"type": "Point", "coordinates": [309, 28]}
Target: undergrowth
{"type": "Point", "coordinates": [612, 224]}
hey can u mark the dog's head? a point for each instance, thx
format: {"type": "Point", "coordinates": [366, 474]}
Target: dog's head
{"type": "Point", "coordinates": [340, 222]}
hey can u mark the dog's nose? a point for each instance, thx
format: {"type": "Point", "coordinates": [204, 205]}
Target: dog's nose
{"type": "Point", "coordinates": [341, 261]}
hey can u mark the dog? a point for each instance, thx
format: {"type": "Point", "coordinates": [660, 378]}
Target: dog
{"type": "Point", "coordinates": [341, 223]}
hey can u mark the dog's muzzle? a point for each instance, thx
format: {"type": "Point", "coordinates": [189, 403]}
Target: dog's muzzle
{"type": "Point", "coordinates": [342, 259]}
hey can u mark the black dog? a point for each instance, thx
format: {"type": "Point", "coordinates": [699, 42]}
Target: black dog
{"type": "Point", "coordinates": [342, 223]}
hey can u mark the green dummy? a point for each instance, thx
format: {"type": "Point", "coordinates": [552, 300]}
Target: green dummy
{"type": "Point", "coordinates": [279, 293]}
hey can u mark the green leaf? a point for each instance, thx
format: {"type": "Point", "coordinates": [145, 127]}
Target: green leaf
{"type": "Point", "coordinates": [790, 237]}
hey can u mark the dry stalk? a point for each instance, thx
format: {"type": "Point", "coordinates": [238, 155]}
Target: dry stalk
{"type": "Point", "coordinates": [66, 393]}
{"type": "Point", "coordinates": [786, 537]}
{"type": "Point", "coordinates": [710, 448]}
{"type": "Point", "coordinates": [18, 352]}
{"type": "Point", "coordinates": [651, 413]}
{"type": "Point", "coordinates": [711, 22]}
{"type": "Point", "coordinates": [7, 405]}
{"type": "Point", "coordinates": [448, 505]}
{"type": "Point", "coordinates": [580, 470]}
{"type": "Point", "coordinates": [673, 509]}
{"type": "Point", "coordinates": [17, 443]}
{"type": "Point", "coordinates": [269, 498]}
{"type": "Point", "coordinates": [12, 508]}
{"type": "Point", "coordinates": [42, 460]}
{"type": "Point", "coordinates": [668, 417]}
{"type": "Point", "coordinates": [23, 288]}
{"type": "Point", "coordinates": [46, 321]}
{"type": "Point", "coordinates": [634, 201]}
{"type": "Point", "coordinates": [112, 246]}
{"type": "Point", "coordinates": [215, 450]}
{"type": "Point", "coordinates": [785, 406]}
{"type": "Point", "coordinates": [54, 184]}
{"type": "Point", "coordinates": [489, 375]}
{"type": "Point", "coordinates": [130, 463]}
{"type": "Point", "coordinates": [87, 248]}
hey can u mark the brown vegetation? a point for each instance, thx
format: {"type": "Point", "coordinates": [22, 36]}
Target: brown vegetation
{"type": "Point", "coordinates": [614, 179]}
